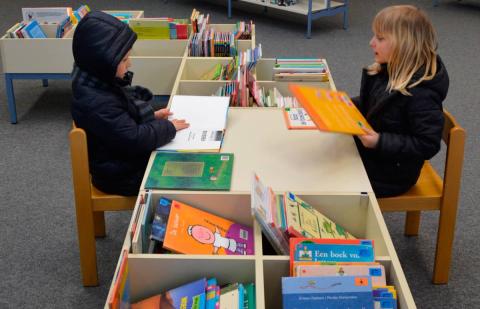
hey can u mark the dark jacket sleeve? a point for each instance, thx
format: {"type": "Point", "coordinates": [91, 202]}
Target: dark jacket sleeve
{"type": "Point", "coordinates": [425, 128]}
{"type": "Point", "coordinates": [112, 124]}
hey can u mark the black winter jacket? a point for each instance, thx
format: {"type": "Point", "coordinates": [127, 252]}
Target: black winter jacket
{"type": "Point", "coordinates": [410, 128]}
{"type": "Point", "coordinates": [119, 140]}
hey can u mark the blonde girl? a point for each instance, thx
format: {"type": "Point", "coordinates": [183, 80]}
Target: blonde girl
{"type": "Point", "coordinates": [401, 96]}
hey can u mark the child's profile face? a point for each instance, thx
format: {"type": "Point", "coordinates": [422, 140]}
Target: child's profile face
{"type": "Point", "coordinates": [382, 47]}
{"type": "Point", "coordinates": [123, 66]}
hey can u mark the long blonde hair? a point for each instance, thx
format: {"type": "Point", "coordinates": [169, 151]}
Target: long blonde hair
{"type": "Point", "coordinates": [414, 46]}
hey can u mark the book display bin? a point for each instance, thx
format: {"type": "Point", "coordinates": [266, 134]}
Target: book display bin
{"type": "Point", "coordinates": [150, 274]}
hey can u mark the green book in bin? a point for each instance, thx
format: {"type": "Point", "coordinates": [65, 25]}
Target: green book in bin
{"type": "Point", "coordinates": [190, 171]}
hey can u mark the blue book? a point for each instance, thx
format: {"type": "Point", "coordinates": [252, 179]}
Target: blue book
{"type": "Point", "coordinates": [211, 293]}
{"type": "Point", "coordinates": [338, 292]}
{"type": "Point", "coordinates": [34, 31]}
{"type": "Point", "coordinates": [160, 219]}
{"type": "Point", "coordinates": [309, 251]}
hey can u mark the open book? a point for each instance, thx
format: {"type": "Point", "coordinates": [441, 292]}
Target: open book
{"type": "Point", "coordinates": [207, 116]}
{"type": "Point", "coordinates": [330, 110]}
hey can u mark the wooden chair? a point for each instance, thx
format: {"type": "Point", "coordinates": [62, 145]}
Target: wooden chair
{"type": "Point", "coordinates": [431, 193]}
{"type": "Point", "coordinates": [90, 204]}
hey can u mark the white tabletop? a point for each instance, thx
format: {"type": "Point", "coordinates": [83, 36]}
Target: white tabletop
{"type": "Point", "coordinates": [302, 161]}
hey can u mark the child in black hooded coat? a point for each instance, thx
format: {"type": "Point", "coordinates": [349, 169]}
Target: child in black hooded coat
{"type": "Point", "coordinates": [122, 128]}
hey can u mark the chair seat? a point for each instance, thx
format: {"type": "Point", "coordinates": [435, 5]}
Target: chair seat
{"type": "Point", "coordinates": [103, 201]}
{"type": "Point", "coordinates": [426, 194]}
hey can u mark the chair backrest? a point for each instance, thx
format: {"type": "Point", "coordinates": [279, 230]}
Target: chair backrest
{"type": "Point", "coordinates": [80, 167]}
{"type": "Point", "coordinates": [454, 138]}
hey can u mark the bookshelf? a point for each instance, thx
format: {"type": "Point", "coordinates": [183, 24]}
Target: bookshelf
{"type": "Point", "coordinates": [312, 9]}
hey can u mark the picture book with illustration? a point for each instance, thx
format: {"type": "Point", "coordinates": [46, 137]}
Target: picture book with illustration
{"type": "Point", "coordinates": [330, 250]}
{"type": "Point", "coordinates": [194, 231]}
{"type": "Point", "coordinates": [330, 110]}
{"type": "Point", "coordinates": [190, 171]}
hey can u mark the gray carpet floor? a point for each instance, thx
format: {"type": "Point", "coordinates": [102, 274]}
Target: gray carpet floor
{"type": "Point", "coordinates": [39, 262]}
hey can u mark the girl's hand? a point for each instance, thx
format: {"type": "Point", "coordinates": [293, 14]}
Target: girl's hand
{"type": "Point", "coordinates": [180, 124]}
{"type": "Point", "coordinates": [369, 139]}
{"type": "Point", "coordinates": [162, 113]}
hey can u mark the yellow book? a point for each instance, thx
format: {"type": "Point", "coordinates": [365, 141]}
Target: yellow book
{"type": "Point", "coordinates": [150, 29]}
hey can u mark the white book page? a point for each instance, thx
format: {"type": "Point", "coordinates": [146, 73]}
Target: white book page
{"type": "Point", "coordinates": [207, 116]}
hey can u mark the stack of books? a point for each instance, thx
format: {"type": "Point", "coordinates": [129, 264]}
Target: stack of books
{"type": "Point", "coordinates": [230, 89]}
{"type": "Point", "coordinates": [64, 18]}
{"type": "Point", "coordinates": [159, 28]}
{"type": "Point", "coordinates": [172, 226]}
{"type": "Point", "coordinates": [208, 42]}
{"type": "Point", "coordinates": [31, 30]}
{"type": "Point", "coordinates": [285, 216]}
{"type": "Point", "coordinates": [243, 30]}
{"type": "Point", "coordinates": [334, 273]}
{"type": "Point", "coordinates": [203, 293]}
{"type": "Point", "coordinates": [222, 71]}
{"type": "Point", "coordinates": [271, 97]}
{"type": "Point", "coordinates": [300, 69]}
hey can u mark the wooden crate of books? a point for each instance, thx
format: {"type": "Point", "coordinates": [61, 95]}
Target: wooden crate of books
{"type": "Point", "coordinates": [331, 180]}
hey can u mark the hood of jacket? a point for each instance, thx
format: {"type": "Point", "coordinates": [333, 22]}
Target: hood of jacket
{"type": "Point", "coordinates": [100, 42]}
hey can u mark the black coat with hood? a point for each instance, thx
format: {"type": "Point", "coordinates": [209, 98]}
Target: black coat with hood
{"type": "Point", "coordinates": [119, 122]}
{"type": "Point", "coordinates": [410, 128]}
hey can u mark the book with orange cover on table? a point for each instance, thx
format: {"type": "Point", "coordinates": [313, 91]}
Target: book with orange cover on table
{"type": "Point", "coordinates": [330, 110]}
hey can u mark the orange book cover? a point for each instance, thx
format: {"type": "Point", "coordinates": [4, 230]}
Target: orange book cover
{"type": "Point", "coordinates": [330, 110]}
{"type": "Point", "coordinates": [194, 231]}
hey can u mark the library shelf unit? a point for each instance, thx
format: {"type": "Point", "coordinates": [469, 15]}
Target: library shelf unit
{"type": "Point", "coordinates": [52, 58]}
{"type": "Point", "coordinates": [331, 179]}
{"type": "Point", "coordinates": [312, 9]}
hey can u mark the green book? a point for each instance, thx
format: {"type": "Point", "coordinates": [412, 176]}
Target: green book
{"type": "Point", "coordinates": [190, 171]}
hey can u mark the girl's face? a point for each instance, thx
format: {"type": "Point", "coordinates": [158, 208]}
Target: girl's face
{"type": "Point", "coordinates": [382, 48]}
{"type": "Point", "coordinates": [123, 66]}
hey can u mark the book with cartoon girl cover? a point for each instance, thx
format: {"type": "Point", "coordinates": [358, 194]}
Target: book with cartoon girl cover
{"type": "Point", "coordinates": [194, 231]}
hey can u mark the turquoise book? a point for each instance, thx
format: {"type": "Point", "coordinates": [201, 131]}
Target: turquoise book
{"type": "Point", "coordinates": [191, 171]}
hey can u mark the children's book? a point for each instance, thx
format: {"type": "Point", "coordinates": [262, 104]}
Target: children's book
{"type": "Point", "coordinates": [264, 205]}
{"type": "Point", "coordinates": [376, 272]}
{"type": "Point", "coordinates": [305, 221]}
{"type": "Point", "coordinates": [330, 250]}
{"type": "Point", "coordinates": [249, 300]}
{"type": "Point", "coordinates": [211, 294]}
{"type": "Point", "coordinates": [232, 296]}
{"type": "Point", "coordinates": [384, 297]}
{"type": "Point", "coordinates": [191, 296]}
{"type": "Point", "coordinates": [207, 116]}
{"type": "Point", "coordinates": [327, 292]}
{"type": "Point", "coordinates": [194, 231]}
{"type": "Point", "coordinates": [46, 14]}
{"type": "Point", "coordinates": [150, 29]}
{"type": "Point", "coordinates": [160, 219]}
{"type": "Point", "coordinates": [298, 119]}
{"type": "Point", "coordinates": [119, 297]}
{"type": "Point", "coordinates": [330, 110]}
{"type": "Point", "coordinates": [190, 171]}
{"type": "Point", "coordinates": [33, 30]}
